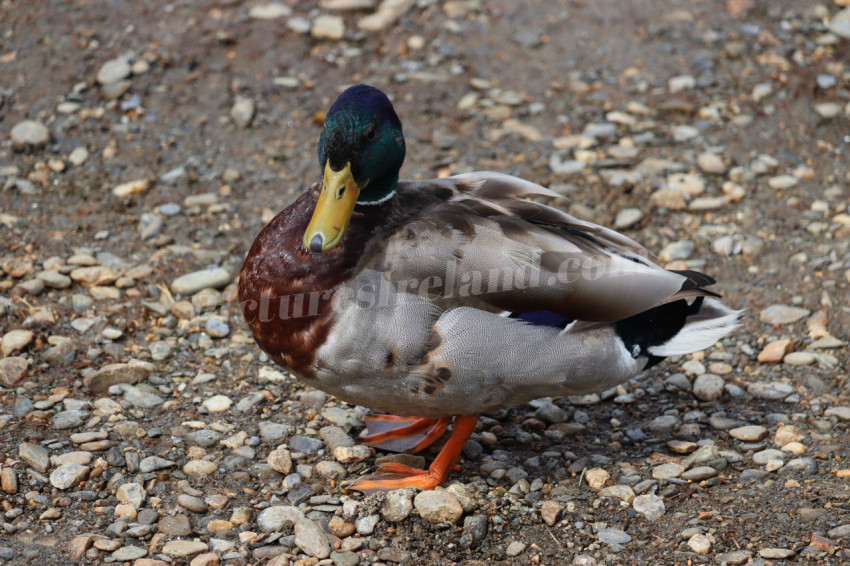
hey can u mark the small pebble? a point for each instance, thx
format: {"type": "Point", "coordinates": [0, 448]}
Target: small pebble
{"type": "Point", "coordinates": [191, 283]}
{"type": "Point", "coordinates": [311, 539]}
{"type": "Point", "coordinates": [438, 506]}
{"type": "Point", "coordinates": [269, 11]}
{"type": "Point", "coordinates": [197, 468]}
{"type": "Point", "coordinates": [397, 506]}
{"type": "Point", "coordinates": [549, 512]}
{"type": "Point", "coordinates": [749, 433]}
{"type": "Point", "coordinates": [799, 359]}
{"type": "Point", "coordinates": [113, 71]}
{"type": "Point", "coordinates": [274, 519]}
{"type": "Point", "coordinates": [12, 369]}
{"type": "Point", "coordinates": [782, 182]}
{"type": "Point", "coordinates": [366, 525]}
{"type": "Point", "coordinates": [242, 112]}
{"type": "Point", "coordinates": [733, 558]}
{"type": "Point", "coordinates": [131, 188]}
{"type": "Point", "coordinates": [708, 387]}
{"type": "Point", "coordinates": [649, 505]}
{"type": "Point", "coordinates": [777, 553]}
{"type": "Point", "coordinates": [15, 340]}
{"type": "Point", "coordinates": [668, 470]}
{"type": "Point", "coordinates": [841, 413]}
{"type": "Point", "coordinates": [280, 460]}
{"type": "Point", "coordinates": [782, 314]}
{"type": "Point", "coordinates": [352, 454]}
{"type": "Point", "coordinates": [676, 250]}
{"type": "Point", "coordinates": [131, 494]}
{"type": "Point", "coordinates": [618, 491]}
{"type": "Point", "coordinates": [828, 110]}
{"type": "Point", "coordinates": [771, 390]}
{"type": "Point", "coordinates": [627, 217]}
{"type": "Point", "coordinates": [515, 548]}
{"type": "Point", "coordinates": [191, 503]}
{"type": "Point", "coordinates": [388, 12]}
{"type": "Point", "coordinates": [328, 27]}
{"type": "Point", "coordinates": [699, 473]}
{"type": "Point", "coordinates": [181, 548]}
{"type": "Point", "coordinates": [596, 478]}
{"type": "Point", "coordinates": [78, 156]}
{"type": "Point", "coordinates": [154, 463]}
{"type": "Point", "coordinates": [218, 403]}
{"type": "Point", "coordinates": [160, 350]}
{"type": "Point", "coordinates": [216, 328]}
{"type": "Point", "coordinates": [29, 134]}
{"type": "Point", "coordinates": [764, 456]}
{"type": "Point", "coordinates": [9, 480]}
{"type": "Point", "coordinates": [68, 475]}
{"type": "Point", "coordinates": [613, 536]}
{"type": "Point", "coordinates": [128, 553]}
{"type": "Point", "coordinates": [711, 163]}
{"type": "Point", "coordinates": [775, 351]}
{"type": "Point", "coordinates": [700, 543]}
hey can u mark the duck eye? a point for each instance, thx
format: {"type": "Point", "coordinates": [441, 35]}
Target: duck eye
{"type": "Point", "coordinates": [371, 132]}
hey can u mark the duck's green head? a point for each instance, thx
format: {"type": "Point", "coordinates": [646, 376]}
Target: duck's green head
{"type": "Point", "coordinates": [360, 151]}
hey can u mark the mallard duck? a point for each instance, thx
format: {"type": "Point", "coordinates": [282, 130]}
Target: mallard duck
{"type": "Point", "coordinates": [435, 301]}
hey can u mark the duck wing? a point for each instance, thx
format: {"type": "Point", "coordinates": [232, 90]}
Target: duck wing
{"type": "Point", "coordinates": [478, 240]}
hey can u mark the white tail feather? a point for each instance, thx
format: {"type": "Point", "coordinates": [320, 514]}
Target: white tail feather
{"type": "Point", "coordinates": [714, 321]}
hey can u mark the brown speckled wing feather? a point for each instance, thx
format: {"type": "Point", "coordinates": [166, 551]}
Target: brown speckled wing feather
{"type": "Point", "coordinates": [485, 244]}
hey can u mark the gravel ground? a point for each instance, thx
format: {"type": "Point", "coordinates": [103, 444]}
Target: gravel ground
{"type": "Point", "coordinates": [144, 144]}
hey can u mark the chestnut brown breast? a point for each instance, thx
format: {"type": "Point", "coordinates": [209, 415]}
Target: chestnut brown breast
{"type": "Point", "coordinates": [285, 291]}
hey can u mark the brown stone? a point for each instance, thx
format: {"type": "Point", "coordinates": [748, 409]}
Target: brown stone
{"type": "Point", "coordinates": [77, 546]}
{"type": "Point", "coordinates": [340, 527]}
{"type": "Point", "coordinates": [107, 376]}
{"type": "Point", "coordinates": [549, 512]}
{"type": "Point", "coordinates": [9, 480]}
{"type": "Point", "coordinates": [775, 351]}
{"type": "Point", "coordinates": [12, 370]}
{"type": "Point", "coordinates": [205, 559]}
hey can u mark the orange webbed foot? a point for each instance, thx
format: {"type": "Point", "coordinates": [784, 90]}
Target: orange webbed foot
{"type": "Point", "coordinates": [403, 434]}
{"type": "Point", "coordinates": [392, 475]}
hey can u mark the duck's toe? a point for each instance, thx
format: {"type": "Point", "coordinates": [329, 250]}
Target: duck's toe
{"type": "Point", "coordinates": [403, 434]}
{"type": "Point", "coordinates": [374, 483]}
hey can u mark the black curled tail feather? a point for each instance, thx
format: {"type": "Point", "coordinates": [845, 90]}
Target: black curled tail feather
{"type": "Point", "coordinates": [653, 327]}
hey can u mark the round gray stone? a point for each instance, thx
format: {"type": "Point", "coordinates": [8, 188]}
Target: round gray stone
{"type": "Point", "coordinates": [35, 455]}
{"type": "Point", "coordinates": [397, 506]}
{"type": "Point", "coordinates": [216, 328]}
{"type": "Point", "coordinates": [627, 217]}
{"type": "Point", "coordinates": [113, 71]}
{"type": "Point", "coordinates": [310, 538]}
{"type": "Point", "coordinates": [840, 23]}
{"type": "Point", "coordinates": [191, 283]}
{"type": "Point", "coordinates": [649, 505]}
{"type": "Point", "coordinates": [708, 387]}
{"type": "Point", "coordinates": [29, 133]}
{"type": "Point", "coordinates": [613, 536]}
{"type": "Point", "coordinates": [128, 554]}
{"type": "Point", "coordinates": [69, 419]}
{"type": "Point", "coordinates": [275, 518]}
{"type": "Point", "coordinates": [131, 494]}
{"type": "Point", "coordinates": [438, 507]}
{"type": "Point", "coordinates": [782, 314]}
{"type": "Point", "coordinates": [68, 475]}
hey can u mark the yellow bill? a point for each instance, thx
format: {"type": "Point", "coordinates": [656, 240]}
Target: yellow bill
{"type": "Point", "coordinates": [333, 211]}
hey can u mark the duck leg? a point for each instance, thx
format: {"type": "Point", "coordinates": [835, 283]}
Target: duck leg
{"type": "Point", "coordinates": [404, 434]}
{"type": "Point", "coordinates": [396, 476]}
